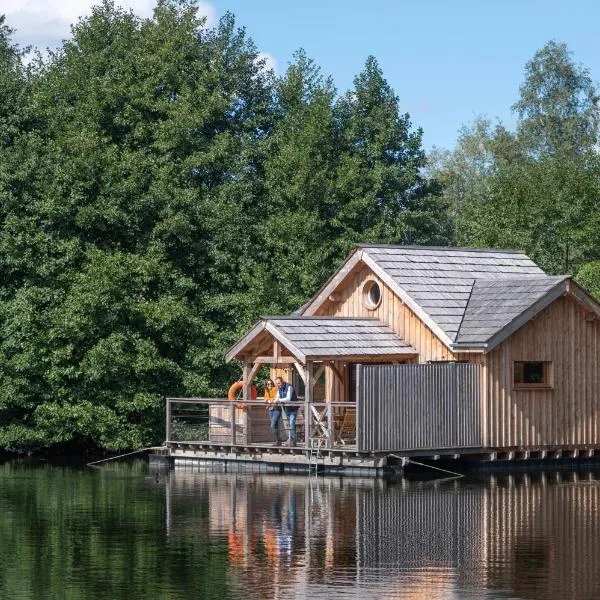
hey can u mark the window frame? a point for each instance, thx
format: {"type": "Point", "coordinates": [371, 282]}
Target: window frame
{"type": "Point", "coordinates": [366, 294]}
{"type": "Point", "coordinates": [547, 384]}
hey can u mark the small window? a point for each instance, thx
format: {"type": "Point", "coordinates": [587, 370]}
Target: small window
{"type": "Point", "coordinates": [532, 374]}
{"type": "Point", "coordinates": [371, 295]}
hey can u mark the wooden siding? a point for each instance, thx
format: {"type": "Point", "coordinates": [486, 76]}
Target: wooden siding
{"type": "Point", "coordinates": [391, 311]}
{"type": "Point", "coordinates": [566, 335]}
{"type": "Point", "coordinates": [418, 407]}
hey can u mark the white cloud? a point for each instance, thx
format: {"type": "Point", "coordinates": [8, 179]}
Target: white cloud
{"type": "Point", "coordinates": [270, 62]}
{"type": "Point", "coordinates": [45, 23]}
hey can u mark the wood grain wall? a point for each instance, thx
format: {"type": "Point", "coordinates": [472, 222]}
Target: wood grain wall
{"type": "Point", "coordinates": [566, 415]}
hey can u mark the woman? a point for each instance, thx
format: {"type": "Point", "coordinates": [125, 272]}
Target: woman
{"type": "Point", "coordinates": [273, 408]}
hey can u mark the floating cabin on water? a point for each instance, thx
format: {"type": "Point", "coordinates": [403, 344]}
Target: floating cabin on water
{"type": "Point", "coordinates": [415, 352]}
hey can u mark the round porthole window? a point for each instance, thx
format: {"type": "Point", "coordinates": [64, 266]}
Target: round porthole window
{"type": "Point", "coordinates": [371, 295]}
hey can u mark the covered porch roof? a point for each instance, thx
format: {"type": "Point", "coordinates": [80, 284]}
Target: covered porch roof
{"type": "Point", "coordinates": [324, 338]}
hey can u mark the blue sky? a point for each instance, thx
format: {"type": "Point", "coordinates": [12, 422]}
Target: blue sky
{"type": "Point", "coordinates": [447, 61]}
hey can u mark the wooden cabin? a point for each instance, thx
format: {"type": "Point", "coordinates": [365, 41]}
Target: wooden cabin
{"type": "Point", "coordinates": [430, 351]}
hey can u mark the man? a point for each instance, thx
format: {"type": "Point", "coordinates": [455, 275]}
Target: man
{"type": "Point", "coordinates": [285, 394]}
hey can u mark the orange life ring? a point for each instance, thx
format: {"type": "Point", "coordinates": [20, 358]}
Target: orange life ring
{"type": "Point", "coordinates": [236, 387]}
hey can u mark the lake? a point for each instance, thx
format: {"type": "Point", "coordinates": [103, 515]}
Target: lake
{"type": "Point", "coordinates": [73, 532]}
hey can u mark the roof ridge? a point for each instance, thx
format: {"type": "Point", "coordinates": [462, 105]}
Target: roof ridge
{"type": "Point", "coordinates": [457, 334]}
{"type": "Point", "coordinates": [318, 317]}
{"type": "Point", "coordinates": [446, 248]}
{"type": "Point", "coordinates": [521, 278]}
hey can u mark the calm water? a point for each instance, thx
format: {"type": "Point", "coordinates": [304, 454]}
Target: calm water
{"type": "Point", "coordinates": [119, 532]}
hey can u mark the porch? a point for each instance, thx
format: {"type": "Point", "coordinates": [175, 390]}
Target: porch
{"type": "Point", "coordinates": [399, 411]}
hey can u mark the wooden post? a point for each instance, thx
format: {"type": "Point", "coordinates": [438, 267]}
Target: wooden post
{"type": "Point", "coordinates": [248, 375]}
{"type": "Point", "coordinates": [168, 423]}
{"type": "Point", "coordinates": [308, 395]}
{"type": "Point", "coordinates": [330, 432]}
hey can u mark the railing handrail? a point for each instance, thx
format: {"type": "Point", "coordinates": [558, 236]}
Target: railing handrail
{"type": "Point", "coordinates": [258, 402]}
{"type": "Point", "coordinates": [318, 417]}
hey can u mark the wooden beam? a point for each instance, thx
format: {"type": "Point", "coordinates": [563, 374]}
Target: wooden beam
{"type": "Point", "coordinates": [319, 372]}
{"type": "Point", "coordinates": [583, 297]}
{"type": "Point", "coordinates": [363, 358]}
{"type": "Point", "coordinates": [257, 365]}
{"type": "Point", "coordinates": [243, 342]}
{"type": "Point", "coordinates": [334, 281]}
{"type": "Point", "coordinates": [308, 389]}
{"type": "Point", "coordinates": [278, 360]}
{"type": "Point", "coordinates": [276, 349]}
{"type": "Point", "coordinates": [302, 373]}
{"type": "Point", "coordinates": [336, 372]}
{"type": "Point", "coordinates": [280, 337]}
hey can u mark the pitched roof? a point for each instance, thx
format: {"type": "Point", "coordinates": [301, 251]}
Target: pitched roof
{"type": "Point", "coordinates": [466, 296]}
{"type": "Point", "coordinates": [440, 280]}
{"type": "Point", "coordinates": [329, 337]}
{"type": "Point", "coordinates": [496, 303]}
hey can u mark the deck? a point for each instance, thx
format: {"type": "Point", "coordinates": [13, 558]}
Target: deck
{"type": "Point", "coordinates": [399, 413]}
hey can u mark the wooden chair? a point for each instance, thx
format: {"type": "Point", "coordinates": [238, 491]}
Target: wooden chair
{"type": "Point", "coordinates": [347, 431]}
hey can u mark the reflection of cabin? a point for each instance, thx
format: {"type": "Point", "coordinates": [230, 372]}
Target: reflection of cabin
{"type": "Point", "coordinates": [503, 536]}
{"type": "Point", "coordinates": [439, 351]}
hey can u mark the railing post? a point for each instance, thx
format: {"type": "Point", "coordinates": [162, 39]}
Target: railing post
{"type": "Point", "coordinates": [330, 430]}
{"type": "Point", "coordinates": [168, 423]}
{"type": "Point", "coordinates": [308, 395]}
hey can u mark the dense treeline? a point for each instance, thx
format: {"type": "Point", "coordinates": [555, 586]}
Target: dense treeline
{"type": "Point", "coordinates": [160, 189]}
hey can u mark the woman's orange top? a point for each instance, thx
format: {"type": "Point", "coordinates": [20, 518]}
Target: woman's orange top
{"type": "Point", "coordinates": [270, 394]}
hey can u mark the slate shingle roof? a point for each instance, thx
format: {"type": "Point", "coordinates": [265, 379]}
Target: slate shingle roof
{"type": "Point", "coordinates": [496, 303]}
{"type": "Point", "coordinates": [469, 294]}
{"type": "Point", "coordinates": [339, 336]}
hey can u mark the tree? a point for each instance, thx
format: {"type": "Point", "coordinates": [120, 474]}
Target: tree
{"type": "Point", "coordinates": [536, 189]}
{"type": "Point", "coordinates": [300, 171]}
{"type": "Point", "coordinates": [160, 190]}
{"type": "Point", "coordinates": [129, 211]}
{"type": "Point", "coordinates": [558, 107]}
{"type": "Point", "coordinates": [380, 162]}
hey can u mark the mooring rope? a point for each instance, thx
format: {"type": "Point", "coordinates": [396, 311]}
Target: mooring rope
{"type": "Point", "coordinates": [95, 462]}
{"type": "Point", "coordinates": [406, 460]}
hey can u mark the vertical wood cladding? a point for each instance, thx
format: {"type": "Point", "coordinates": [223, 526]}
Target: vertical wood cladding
{"type": "Point", "coordinates": [564, 334]}
{"type": "Point", "coordinates": [566, 415]}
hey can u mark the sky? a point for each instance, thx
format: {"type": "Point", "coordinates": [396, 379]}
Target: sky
{"type": "Point", "coordinates": [448, 61]}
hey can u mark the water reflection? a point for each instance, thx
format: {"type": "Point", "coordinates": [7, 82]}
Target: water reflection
{"type": "Point", "coordinates": [498, 537]}
{"type": "Point", "coordinates": [121, 532]}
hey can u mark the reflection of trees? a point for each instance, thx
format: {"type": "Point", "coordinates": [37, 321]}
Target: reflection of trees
{"type": "Point", "coordinates": [115, 533]}
{"type": "Point", "coordinates": [88, 534]}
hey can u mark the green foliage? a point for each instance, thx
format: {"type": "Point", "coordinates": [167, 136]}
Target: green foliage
{"type": "Point", "coordinates": [589, 277]}
{"type": "Point", "coordinates": [160, 189]}
{"type": "Point", "coordinates": [538, 188]}
{"type": "Point", "coordinates": [80, 534]}
{"type": "Point", "coordinates": [558, 109]}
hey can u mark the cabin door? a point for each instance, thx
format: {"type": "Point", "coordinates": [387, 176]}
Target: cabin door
{"type": "Point", "coordinates": [351, 383]}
